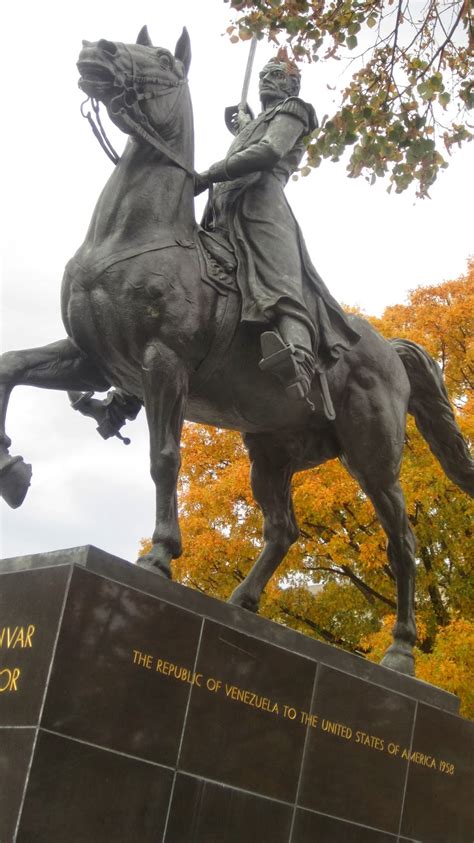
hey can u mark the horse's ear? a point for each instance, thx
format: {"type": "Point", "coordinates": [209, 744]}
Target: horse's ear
{"type": "Point", "coordinates": [144, 38]}
{"type": "Point", "coordinates": [183, 49]}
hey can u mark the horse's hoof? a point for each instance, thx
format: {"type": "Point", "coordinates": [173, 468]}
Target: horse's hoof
{"type": "Point", "coordinates": [244, 602]}
{"type": "Point", "coordinates": [157, 563]}
{"type": "Point", "coordinates": [400, 657]}
{"type": "Point", "coordinates": [15, 476]}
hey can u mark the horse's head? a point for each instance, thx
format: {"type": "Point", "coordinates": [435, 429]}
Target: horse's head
{"type": "Point", "coordinates": [138, 83]}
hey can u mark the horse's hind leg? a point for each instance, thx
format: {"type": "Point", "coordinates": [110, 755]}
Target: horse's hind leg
{"type": "Point", "coordinates": [271, 474]}
{"type": "Point", "coordinates": [59, 365]}
{"type": "Point", "coordinates": [389, 505]}
{"type": "Point", "coordinates": [382, 486]}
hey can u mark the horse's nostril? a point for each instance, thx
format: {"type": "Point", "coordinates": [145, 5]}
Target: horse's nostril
{"type": "Point", "coordinates": [107, 46]}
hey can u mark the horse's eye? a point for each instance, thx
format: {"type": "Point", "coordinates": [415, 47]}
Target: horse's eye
{"type": "Point", "coordinates": [107, 46]}
{"type": "Point", "coordinates": [166, 62]}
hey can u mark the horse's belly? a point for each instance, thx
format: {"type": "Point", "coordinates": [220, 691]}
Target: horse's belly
{"type": "Point", "coordinates": [239, 396]}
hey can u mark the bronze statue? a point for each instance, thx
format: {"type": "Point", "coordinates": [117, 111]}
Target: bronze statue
{"type": "Point", "coordinates": [151, 308]}
{"type": "Point", "coordinates": [279, 285]}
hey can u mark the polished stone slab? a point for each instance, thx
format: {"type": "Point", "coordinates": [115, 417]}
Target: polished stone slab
{"type": "Point", "coordinates": [97, 796]}
{"type": "Point", "coordinates": [16, 750]}
{"type": "Point", "coordinates": [359, 724]}
{"type": "Point", "coordinates": [238, 734]}
{"type": "Point", "coordinates": [100, 691]}
{"type": "Point", "coordinates": [93, 559]}
{"type": "Point", "coordinates": [310, 827]}
{"type": "Point", "coordinates": [206, 811]}
{"type": "Point", "coordinates": [136, 708]}
{"type": "Point", "coordinates": [29, 623]}
{"type": "Point", "coordinates": [443, 782]}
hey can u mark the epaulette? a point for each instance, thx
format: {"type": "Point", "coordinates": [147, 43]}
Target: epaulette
{"type": "Point", "coordinates": [297, 107]}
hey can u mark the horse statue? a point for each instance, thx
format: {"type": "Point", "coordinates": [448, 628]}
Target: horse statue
{"type": "Point", "coordinates": [150, 308]}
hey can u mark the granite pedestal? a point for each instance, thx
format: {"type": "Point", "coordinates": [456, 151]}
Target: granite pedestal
{"type": "Point", "coordinates": [134, 709]}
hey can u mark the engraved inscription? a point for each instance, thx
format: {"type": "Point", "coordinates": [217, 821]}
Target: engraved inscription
{"type": "Point", "coordinates": [313, 720]}
{"type": "Point", "coordinates": [336, 729]}
{"type": "Point", "coordinates": [9, 679]}
{"type": "Point", "coordinates": [14, 638]}
{"type": "Point", "coordinates": [249, 698]}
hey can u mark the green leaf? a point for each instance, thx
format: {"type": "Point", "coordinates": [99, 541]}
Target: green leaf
{"type": "Point", "coordinates": [352, 42]}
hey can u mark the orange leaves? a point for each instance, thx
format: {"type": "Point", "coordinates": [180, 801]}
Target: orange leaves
{"type": "Point", "coordinates": [375, 644]}
{"type": "Point", "coordinates": [441, 318]}
{"type": "Point", "coordinates": [451, 664]}
{"type": "Point", "coordinates": [337, 521]}
{"type": "Point", "coordinates": [219, 520]}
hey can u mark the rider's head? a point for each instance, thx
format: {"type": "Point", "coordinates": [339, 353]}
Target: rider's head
{"type": "Point", "coordinates": [279, 79]}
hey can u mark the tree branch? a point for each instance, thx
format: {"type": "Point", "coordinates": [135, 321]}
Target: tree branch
{"type": "Point", "coordinates": [323, 633]}
{"type": "Point", "coordinates": [369, 593]}
{"type": "Point", "coordinates": [439, 609]}
{"type": "Point", "coordinates": [445, 43]}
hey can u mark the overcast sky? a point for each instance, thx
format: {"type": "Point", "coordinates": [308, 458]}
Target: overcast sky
{"type": "Point", "coordinates": [369, 247]}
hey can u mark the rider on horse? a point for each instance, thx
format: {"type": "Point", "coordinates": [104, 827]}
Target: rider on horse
{"type": "Point", "coordinates": [280, 288]}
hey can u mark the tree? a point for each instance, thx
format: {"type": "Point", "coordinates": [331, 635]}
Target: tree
{"type": "Point", "coordinates": [405, 104]}
{"type": "Point", "coordinates": [335, 584]}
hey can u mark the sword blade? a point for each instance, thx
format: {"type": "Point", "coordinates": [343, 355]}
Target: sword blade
{"type": "Point", "coordinates": [248, 74]}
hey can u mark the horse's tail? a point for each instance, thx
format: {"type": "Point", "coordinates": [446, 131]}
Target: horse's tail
{"type": "Point", "coordinates": [429, 404]}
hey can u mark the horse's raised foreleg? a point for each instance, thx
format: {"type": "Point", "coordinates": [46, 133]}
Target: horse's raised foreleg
{"type": "Point", "coordinates": [165, 383]}
{"type": "Point", "coordinates": [271, 474]}
{"type": "Point", "coordinates": [59, 365]}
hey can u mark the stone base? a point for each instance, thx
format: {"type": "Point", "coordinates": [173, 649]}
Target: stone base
{"type": "Point", "coordinates": [134, 709]}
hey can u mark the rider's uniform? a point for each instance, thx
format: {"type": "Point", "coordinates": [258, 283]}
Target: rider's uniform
{"type": "Point", "coordinates": [275, 274]}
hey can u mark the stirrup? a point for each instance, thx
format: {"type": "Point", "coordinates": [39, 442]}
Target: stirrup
{"type": "Point", "coordinates": [280, 359]}
{"type": "Point", "coordinates": [277, 356]}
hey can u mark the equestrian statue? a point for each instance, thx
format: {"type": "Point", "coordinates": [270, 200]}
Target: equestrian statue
{"type": "Point", "coordinates": [228, 323]}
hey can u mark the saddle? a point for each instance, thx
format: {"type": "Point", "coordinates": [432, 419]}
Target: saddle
{"type": "Point", "coordinates": [217, 260]}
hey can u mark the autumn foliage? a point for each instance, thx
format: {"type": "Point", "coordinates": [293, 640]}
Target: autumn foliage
{"type": "Point", "coordinates": [335, 583]}
{"type": "Point", "coordinates": [407, 78]}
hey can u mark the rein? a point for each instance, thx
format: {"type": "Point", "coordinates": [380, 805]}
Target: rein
{"type": "Point", "coordinates": [98, 130]}
{"type": "Point", "coordinates": [127, 103]}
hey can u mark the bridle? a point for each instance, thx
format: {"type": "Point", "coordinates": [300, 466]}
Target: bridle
{"type": "Point", "coordinates": [127, 103]}
{"type": "Point", "coordinates": [98, 129]}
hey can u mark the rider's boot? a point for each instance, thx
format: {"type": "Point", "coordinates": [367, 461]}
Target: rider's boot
{"type": "Point", "coordinates": [294, 367]}
{"type": "Point", "coordinates": [287, 354]}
